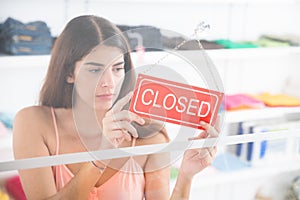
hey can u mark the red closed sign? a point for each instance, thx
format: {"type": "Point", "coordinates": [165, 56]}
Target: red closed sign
{"type": "Point", "coordinates": [174, 102]}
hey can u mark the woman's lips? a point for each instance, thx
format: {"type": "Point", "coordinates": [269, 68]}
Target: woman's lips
{"type": "Point", "coordinates": [105, 96]}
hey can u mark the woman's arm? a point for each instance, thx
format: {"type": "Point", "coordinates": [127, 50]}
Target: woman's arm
{"type": "Point", "coordinates": [182, 188]}
{"type": "Point", "coordinates": [157, 171]}
{"type": "Point", "coordinates": [194, 161]}
{"type": "Point", "coordinates": [39, 183]}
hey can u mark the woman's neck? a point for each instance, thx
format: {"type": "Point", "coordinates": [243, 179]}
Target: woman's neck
{"type": "Point", "coordinates": [88, 121]}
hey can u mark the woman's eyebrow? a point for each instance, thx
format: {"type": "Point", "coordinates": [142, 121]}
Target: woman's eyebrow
{"type": "Point", "coordinates": [101, 65]}
{"type": "Point", "coordinates": [94, 63]}
{"type": "Point", "coordinates": [119, 63]}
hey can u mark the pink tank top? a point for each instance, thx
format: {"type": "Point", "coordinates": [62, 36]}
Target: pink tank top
{"type": "Point", "coordinates": [122, 185]}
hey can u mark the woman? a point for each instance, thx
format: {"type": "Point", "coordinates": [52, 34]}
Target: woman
{"type": "Point", "coordinates": [87, 58]}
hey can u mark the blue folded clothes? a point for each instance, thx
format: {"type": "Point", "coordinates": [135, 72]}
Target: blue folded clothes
{"type": "Point", "coordinates": [7, 119]}
{"type": "Point", "coordinates": [227, 162]}
{"type": "Point", "coordinates": [31, 28]}
{"type": "Point", "coordinates": [28, 40]}
{"type": "Point", "coordinates": [25, 39]}
{"type": "Point", "coordinates": [22, 49]}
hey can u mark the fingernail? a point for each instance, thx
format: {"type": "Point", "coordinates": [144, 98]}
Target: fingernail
{"type": "Point", "coordinates": [142, 121]}
{"type": "Point", "coordinates": [202, 123]}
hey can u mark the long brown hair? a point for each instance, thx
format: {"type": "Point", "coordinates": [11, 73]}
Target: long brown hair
{"type": "Point", "coordinates": [79, 37]}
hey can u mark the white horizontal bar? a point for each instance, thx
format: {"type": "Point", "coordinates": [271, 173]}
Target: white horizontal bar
{"type": "Point", "coordinates": [143, 150]}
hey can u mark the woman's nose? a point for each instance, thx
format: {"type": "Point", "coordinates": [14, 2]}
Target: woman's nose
{"type": "Point", "coordinates": [106, 80]}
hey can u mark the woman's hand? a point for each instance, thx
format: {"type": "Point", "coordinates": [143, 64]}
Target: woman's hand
{"type": "Point", "coordinates": [195, 160]}
{"type": "Point", "coordinates": [117, 125]}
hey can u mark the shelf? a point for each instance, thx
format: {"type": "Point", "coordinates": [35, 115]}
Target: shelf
{"type": "Point", "coordinates": [210, 176]}
{"type": "Point", "coordinates": [24, 62]}
{"type": "Point", "coordinates": [257, 114]}
{"type": "Point", "coordinates": [42, 61]}
{"type": "Point", "coordinates": [198, 1]}
{"type": "Point", "coordinates": [240, 54]}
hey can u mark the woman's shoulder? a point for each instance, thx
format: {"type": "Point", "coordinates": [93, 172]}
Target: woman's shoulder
{"type": "Point", "coordinates": [36, 114]}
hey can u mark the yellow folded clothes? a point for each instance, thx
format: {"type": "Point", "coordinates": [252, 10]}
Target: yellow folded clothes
{"type": "Point", "coordinates": [3, 196]}
{"type": "Point", "coordinates": [277, 100]}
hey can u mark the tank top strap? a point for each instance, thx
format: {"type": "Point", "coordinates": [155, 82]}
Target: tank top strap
{"type": "Point", "coordinates": [56, 130]}
{"type": "Point", "coordinates": [133, 142]}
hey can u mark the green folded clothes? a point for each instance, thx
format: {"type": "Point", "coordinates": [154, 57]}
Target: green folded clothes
{"type": "Point", "coordinates": [266, 42]}
{"type": "Point", "coordinates": [174, 173]}
{"type": "Point", "coordinates": [292, 40]}
{"type": "Point", "coordinates": [235, 45]}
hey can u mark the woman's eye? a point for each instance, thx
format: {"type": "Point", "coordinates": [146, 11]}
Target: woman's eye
{"type": "Point", "coordinates": [118, 69]}
{"type": "Point", "coordinates": [95, 70]}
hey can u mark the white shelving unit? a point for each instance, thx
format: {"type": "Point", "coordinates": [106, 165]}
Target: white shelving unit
{"type": "Point", "coordinates": [259, 114]}
{"type": "Point", "coordinates": [37, 66]}
{"type": "Point", "coordinates": [266, 169]}
{"type": "Point", "coordinates": [24, 62]}
{"type": "Point", "coordinates": [242, 70]}
{"type": "Point", "coordinates": [252, 53]}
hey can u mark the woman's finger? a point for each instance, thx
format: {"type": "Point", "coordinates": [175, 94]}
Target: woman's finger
{"type": "Point", "coordinates": [124, 125]}
{"type": "Point", "coordinates": [210, 129]}
{"type": "Point", "coordinates": [126, 115]}
{"type": "Point", "coordinates": [202, 135]}
{"type": "Point", "coordinates": [126, 135]}
{"type": "Point", "coordinates": [117, 136]}
{"type": "Point", "coordinates": [120, 104]}
{"type": "Point", "coordinates": [213, 151]}
{"type": "Point", "coordinates": [114, 134]}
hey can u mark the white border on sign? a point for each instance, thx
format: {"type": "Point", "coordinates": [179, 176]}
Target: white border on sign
{"type": "Point", "coordinates": [193, 90]}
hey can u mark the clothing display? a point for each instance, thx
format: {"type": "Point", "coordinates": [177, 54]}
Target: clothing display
{"type": "Point", "coordinates": [3, 196]}
{"type": "Point", "coordinates": [31, 38]}
{"type": "Point", "coordinates": [14, 188]}
{"type": "Point", "coordinates": [242, 101]}
{"type": "Point", "coordinates": [187, 44]}
{"type": "Point", "coordinates": [7, 119]}
{"type": "Point", "coordinates": [293, 40]}
{"type": "Point", "coordinates": [274, 100]}
{"type": "Point", "coordinates": [142, 36]}
{"type": "Point", "coordinates": [251, 52]}
{"type": "Point", "coordinates": [229, 44]}
{"type": "Point", "coordinates": [268, 42]}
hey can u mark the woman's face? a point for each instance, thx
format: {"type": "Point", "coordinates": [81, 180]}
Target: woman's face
{"type": "Point", "coordinates": [98, 77]}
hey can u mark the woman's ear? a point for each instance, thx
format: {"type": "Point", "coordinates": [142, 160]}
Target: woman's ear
{"type": "Point", "coordinates": [70, 78]}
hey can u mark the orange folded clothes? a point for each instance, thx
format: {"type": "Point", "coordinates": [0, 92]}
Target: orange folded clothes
{"type": "Point", "coordinates": [3, 196]}
{"type": "Point", "coordinates": [276, 100]}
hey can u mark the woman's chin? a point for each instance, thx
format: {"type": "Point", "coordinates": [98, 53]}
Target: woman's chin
{"type": "Point", "coordinates": [102, 106]}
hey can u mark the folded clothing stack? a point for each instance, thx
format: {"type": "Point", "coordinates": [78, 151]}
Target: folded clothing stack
{"type": "Point", "coordinates": [14, 188]}
{"type": "Point", "coordinates": [292, 40]}
{"type": "Point", "coordinates": [139, 37]}
{"type": "Point", "coordinates": [264, 41]}
{"type": "Point", "coordinates": [3, 196]}
{"type": "Point", "coordinates": [277, 100]}
{"type": "Point", "coordinates": [229, 44]}
{"type": "Point", "coordinates": [181, 43]}
{"type": "Point", "coordinates": [18, 38]}
{"type": "Point", "coordinates": [242, 101]}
